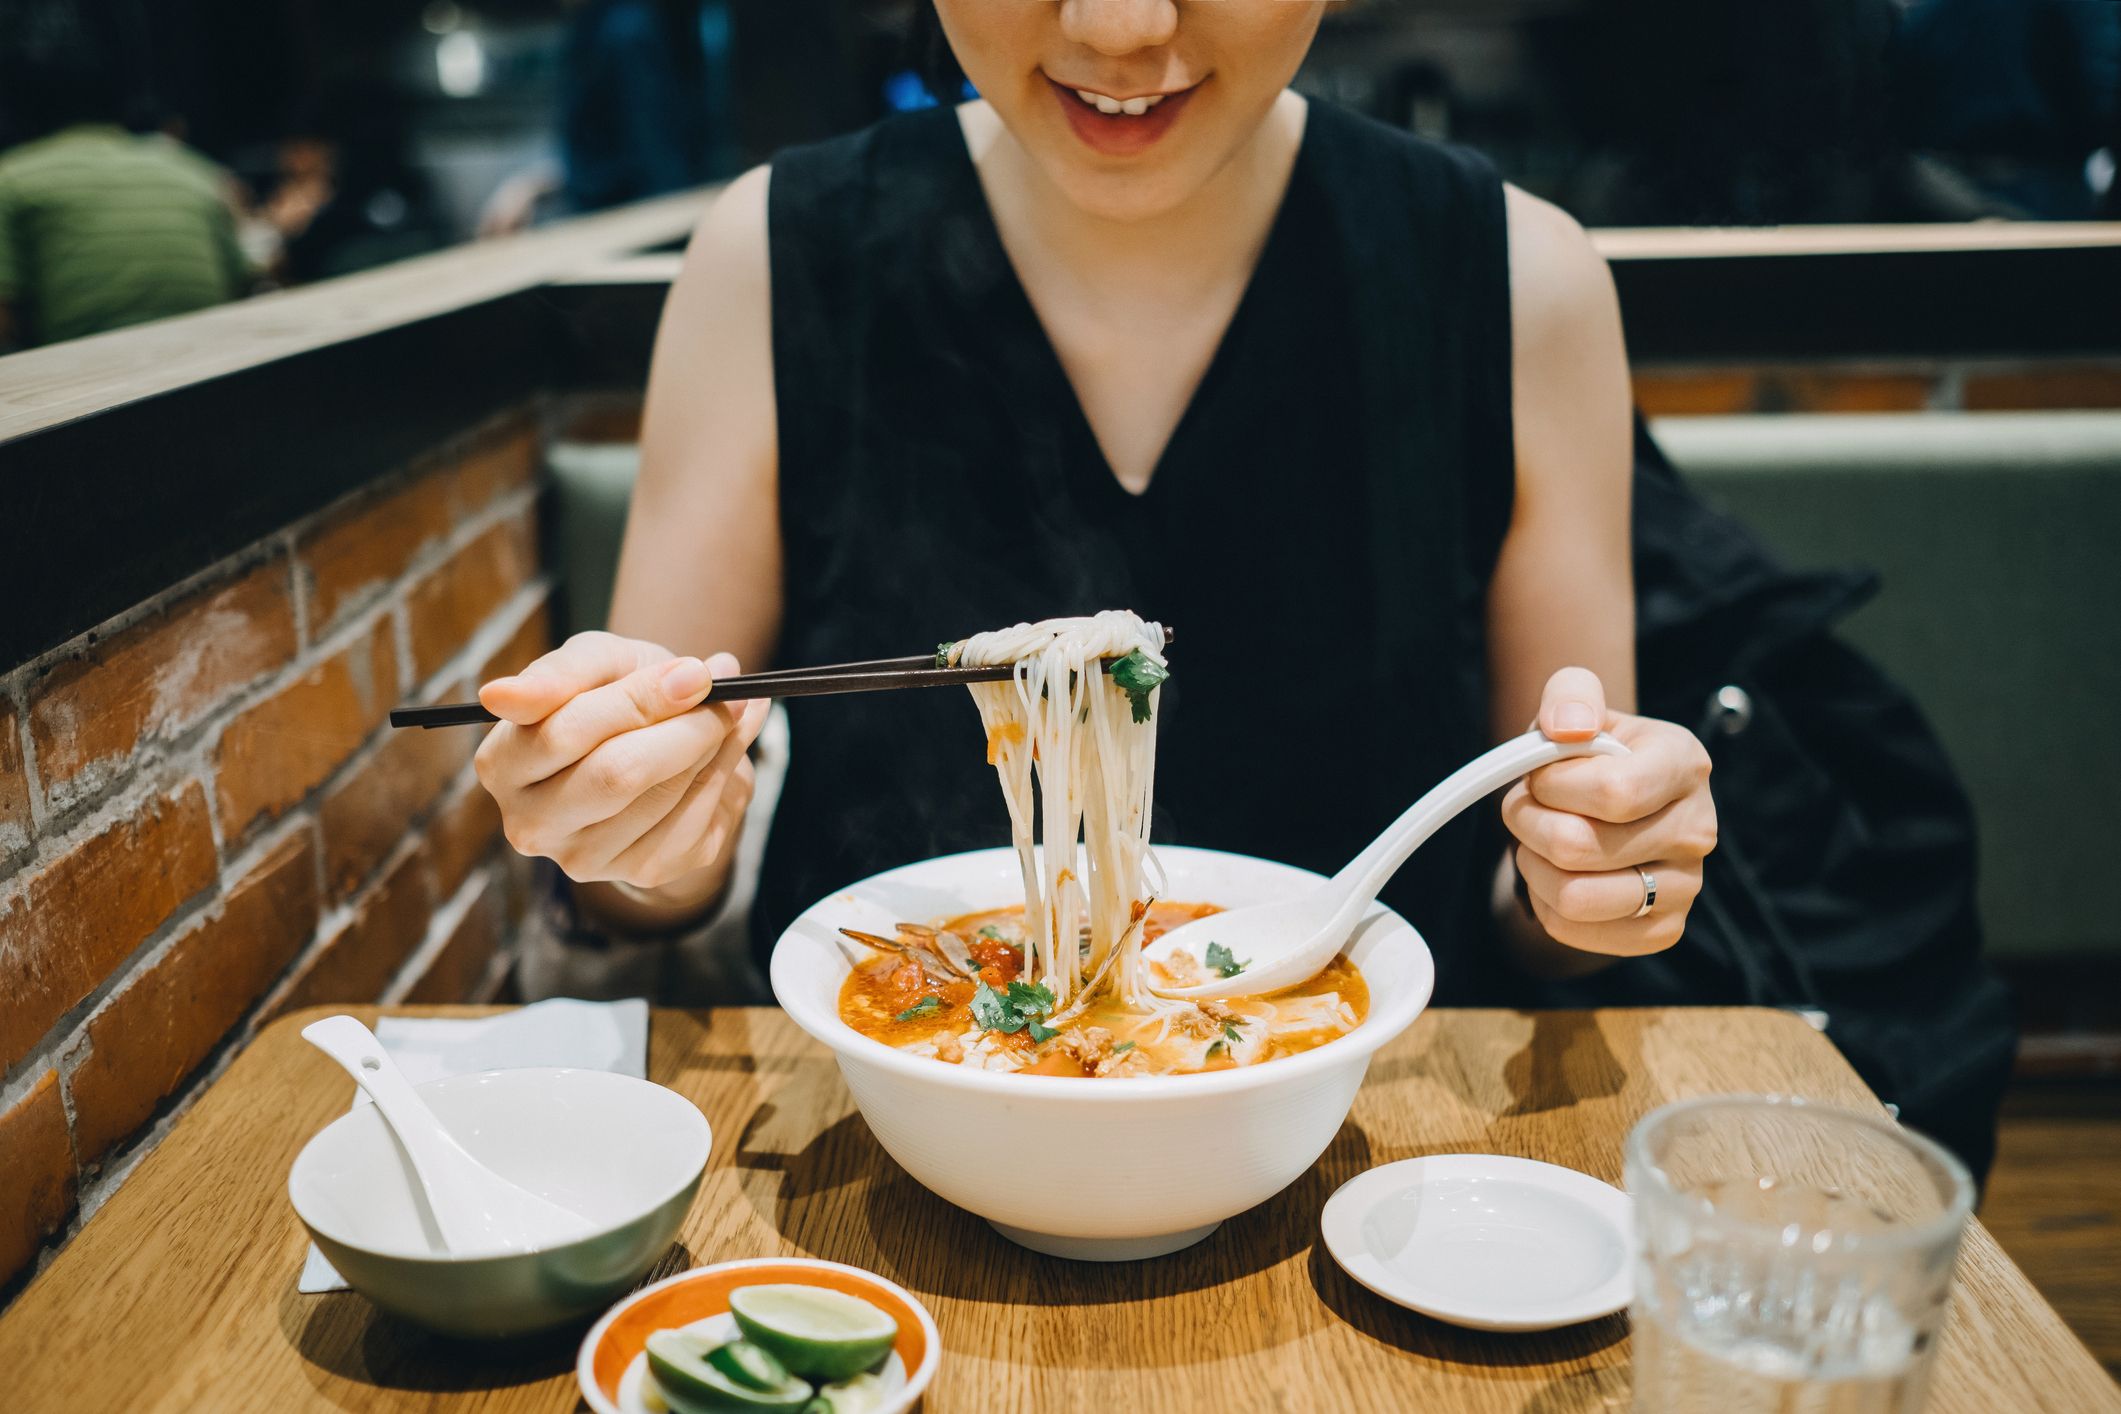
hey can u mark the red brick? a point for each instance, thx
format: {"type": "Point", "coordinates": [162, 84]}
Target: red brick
{"type": "Point", "coordinates": [455, 601]}
{"type": "Point", "coordinates": [1839, 391]}
{"type": "Point", "coordinates": [156, 1031]}
{"type": "Point", "coordinates": [86, 911]}
{"type": "Point", "coordinates": [506, 462]}
{"type": "Point", "coordinates": [365, 548]}
{"type": "Point", "coordinates": [455, 973]}
{"type": "Point", "coordinates": [157, 678]}
{"type": "Point", "coordinates": [1670, 394]}
{"type": "Point", "coordinates": [37, 1174]}
{"type": "Point", "coordinates": [360, 959]}
{"type": "Point", "coordinates": [285, 746]}
{"type": "Point", "coordinates": [2044, 387]}
{"type": "Point", "coordinates": [14, 787]}
{"type": "Point", "coordinates": [531, 641]}
{"type": "Point", "coordinates": [602, 418]}
{"type": "Point", "coordinates": [365, 815]}
{"type": "Point", "coordinates": [462, 833]}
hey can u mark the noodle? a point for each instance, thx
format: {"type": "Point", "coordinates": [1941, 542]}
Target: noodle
{"type": "Point", "coordinates": [1062, 987]}
{"type": "Point", "coordinates": [1077, 764]}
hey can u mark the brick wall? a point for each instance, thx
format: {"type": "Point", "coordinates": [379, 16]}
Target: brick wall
{"type": "Point", "coordinates": [205, 822]}
{"type": "Point", "coordinates": [1970, 385]}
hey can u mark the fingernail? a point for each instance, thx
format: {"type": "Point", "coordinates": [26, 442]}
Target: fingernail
{"type": "Point", "coordinates": [722, 665]}
{"type": "Point", "coordinates": [1575, 717]}
{"type": "Point", "coordinates": [685, 679]}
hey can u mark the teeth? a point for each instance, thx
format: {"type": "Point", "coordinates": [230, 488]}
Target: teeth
{"type": "Point", "coordinates": [1132, 107]}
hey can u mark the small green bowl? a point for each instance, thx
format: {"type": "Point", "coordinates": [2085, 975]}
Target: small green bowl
{"type": "Point", "coordinates": [625, 1153]}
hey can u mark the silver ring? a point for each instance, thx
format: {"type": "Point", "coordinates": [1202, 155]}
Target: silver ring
{"type": "Point", "coordinates": [1649, 893]}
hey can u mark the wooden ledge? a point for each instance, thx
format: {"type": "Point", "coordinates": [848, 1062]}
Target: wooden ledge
{"type": "Point", "coordinates": [44, 387]}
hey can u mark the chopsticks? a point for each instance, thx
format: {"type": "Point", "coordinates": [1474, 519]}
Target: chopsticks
{"type": "Point", "coordinates": [874, 675]}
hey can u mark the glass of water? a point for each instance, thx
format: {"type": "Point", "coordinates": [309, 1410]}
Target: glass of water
{"type": "Point", "coordinates": [1790, 1258]}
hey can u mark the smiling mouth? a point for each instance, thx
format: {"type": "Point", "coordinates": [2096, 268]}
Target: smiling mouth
{"type": "Point", "coordinates": [1132, 107]}
{"type": "Point", "coordinates": [1119, 127]}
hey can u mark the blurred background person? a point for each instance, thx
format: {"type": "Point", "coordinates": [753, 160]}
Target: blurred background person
{"type": "Point", "coordinates": [99, 227]}
{"type": "Point", "coordinates": [2025, 95]}
{"type": "Point", "coordinates": [645, 107]}
{"type": "Point", "coordinates": [1721, 114]}
{"type": "Point", "coordinates": [347, 195]}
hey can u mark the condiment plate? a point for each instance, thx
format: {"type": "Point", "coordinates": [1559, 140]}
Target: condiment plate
{"type": "Point", "coordinates": [1486, 1241]}
{"type": "Point", "coordinates": [612, 1363]}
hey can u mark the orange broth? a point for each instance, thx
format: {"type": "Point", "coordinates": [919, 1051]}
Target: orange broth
{"type": "Point", "coordinates": [877, 997]}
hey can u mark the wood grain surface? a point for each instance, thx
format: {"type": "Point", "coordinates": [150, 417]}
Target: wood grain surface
{"type": "Point", "coordinates": [46, 386]}
{"type": "Point", "coordinates": [180, 1294]}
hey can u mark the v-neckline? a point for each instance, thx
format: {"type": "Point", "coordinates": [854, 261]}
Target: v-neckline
{"type": "Point", "coordinates": [1095, 467]}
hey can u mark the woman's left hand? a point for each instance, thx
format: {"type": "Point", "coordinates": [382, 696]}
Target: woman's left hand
{"type": "Point", "coordinates": [1591, 828]}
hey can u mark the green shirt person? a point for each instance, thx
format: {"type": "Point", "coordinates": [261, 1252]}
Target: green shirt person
{"type": "Point", "coordinates": [100, 229]}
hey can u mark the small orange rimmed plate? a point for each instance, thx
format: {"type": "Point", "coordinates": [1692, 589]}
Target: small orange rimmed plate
{"type": "Point", "coordinates": [613, 1364]}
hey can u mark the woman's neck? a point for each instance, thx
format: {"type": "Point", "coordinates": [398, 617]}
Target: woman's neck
{"type": "Point", "coordinates": [1211, 238]}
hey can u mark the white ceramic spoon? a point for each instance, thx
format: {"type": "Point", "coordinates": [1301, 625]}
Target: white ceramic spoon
{"type": "Point", "coordinates": [1284, 943]}
{"type": "Point", "coordinates": [474, 1208]}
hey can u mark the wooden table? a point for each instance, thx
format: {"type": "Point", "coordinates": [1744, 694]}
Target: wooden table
{"type": "Point", "coordinates": [180, 1294]}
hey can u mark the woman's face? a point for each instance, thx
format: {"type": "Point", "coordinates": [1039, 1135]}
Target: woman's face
{"type": "Point", "coordinates": [1130, 106]}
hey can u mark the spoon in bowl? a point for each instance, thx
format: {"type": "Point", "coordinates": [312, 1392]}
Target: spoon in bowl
{"type": "Point", "coordinates": [1277, 945]}
{"type": "Point", "coordinates": [474, 1208]}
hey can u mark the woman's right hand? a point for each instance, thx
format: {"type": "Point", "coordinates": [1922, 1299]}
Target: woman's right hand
{"type": "Point", "coordinates": [605, 763]}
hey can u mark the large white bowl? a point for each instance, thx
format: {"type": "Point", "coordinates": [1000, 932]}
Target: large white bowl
{"type": "Point", "coordinates": [1135, 1167]}
{"type": "Point", "coordinates": [626, 1154]}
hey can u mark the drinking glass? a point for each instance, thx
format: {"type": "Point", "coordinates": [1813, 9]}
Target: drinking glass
{"type": "Point", "coordinates": [1789, 1258]}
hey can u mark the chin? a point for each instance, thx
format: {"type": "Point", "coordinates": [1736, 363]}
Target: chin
{"type": "Point", "coordinates": [1123, 196]}
{"type": "Point", "coordinates": [1138, 188]}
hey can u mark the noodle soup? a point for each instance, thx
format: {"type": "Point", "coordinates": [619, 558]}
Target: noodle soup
{"type": "Point", "coordinates": [957, 992]}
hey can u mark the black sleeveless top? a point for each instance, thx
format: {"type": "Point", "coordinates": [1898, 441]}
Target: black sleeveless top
{"type": "Point", "coordinates": [1319, 533]}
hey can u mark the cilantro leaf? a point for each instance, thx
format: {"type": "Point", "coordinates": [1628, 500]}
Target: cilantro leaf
{"type": "Point", "coordinates": [1231, 1033]}
{"type": "Point", "coordinates": [942, 653]}
{"type": "Point", "coordinates": [1224, 962]}
{"type": "Point", "coordinates": [1217, 1049]}
{"type": "Point", "coordinates": [993, 1013]}
{"type": "Point", "coordinates": [990, 931]}
{"type": "Point", "coordinates": [926, 1006]}
{"type": "Point", "coordinates": [1030, 996]}
{"type": "Point", "coordinates": [1138, 675]}
{"type": "Point", "coordinates": [1011, 1011]}
{"type": "Point", "coordinates": [1122, 1048]}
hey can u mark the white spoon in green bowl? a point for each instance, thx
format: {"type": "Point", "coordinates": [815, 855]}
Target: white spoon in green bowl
{"type": "Point", "coordinates": [1269, 946]}
{"type": "Point", "coordinates": [474, 1208]}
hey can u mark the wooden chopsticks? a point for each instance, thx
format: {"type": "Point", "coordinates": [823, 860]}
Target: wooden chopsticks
{"type": "Point", "coordinates": [874, 675]}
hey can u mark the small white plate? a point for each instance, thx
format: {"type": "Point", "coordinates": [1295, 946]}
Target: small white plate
{"type": "Point", "coordinates": [1480, 1240]}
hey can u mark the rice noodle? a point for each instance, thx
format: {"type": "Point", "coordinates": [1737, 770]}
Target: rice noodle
{"type": "Point", "coordinates": [1079, 775]}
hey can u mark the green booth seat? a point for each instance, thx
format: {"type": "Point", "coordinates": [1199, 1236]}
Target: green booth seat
{"type": "Point", "coordinates": [1994, 536]}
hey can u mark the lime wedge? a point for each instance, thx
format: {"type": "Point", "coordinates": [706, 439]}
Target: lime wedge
{"type": "Point", "coordinates": [685, 1370]}
{"type": "Point", "coordinates": [864, 1394]}
{"type": "Point", "coordinates": [819, 1333]}
{"type": "Point", "coordinates": [748, 1365]}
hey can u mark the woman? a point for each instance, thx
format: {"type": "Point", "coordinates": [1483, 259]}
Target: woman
{"type": "Point", "coordinates": [1140, 327]}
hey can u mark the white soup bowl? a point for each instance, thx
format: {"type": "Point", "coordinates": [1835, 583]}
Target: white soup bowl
{"type": "Point", "coordinates": [1098, 1170]}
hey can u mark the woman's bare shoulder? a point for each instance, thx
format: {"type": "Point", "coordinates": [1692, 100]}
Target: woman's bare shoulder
{"type": "Point", "coordinates": [1558, 281]}
{"type": "Point", "coordinates": [728, 246]}
{"type": "Point", "coordinates": [1570, 360]}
